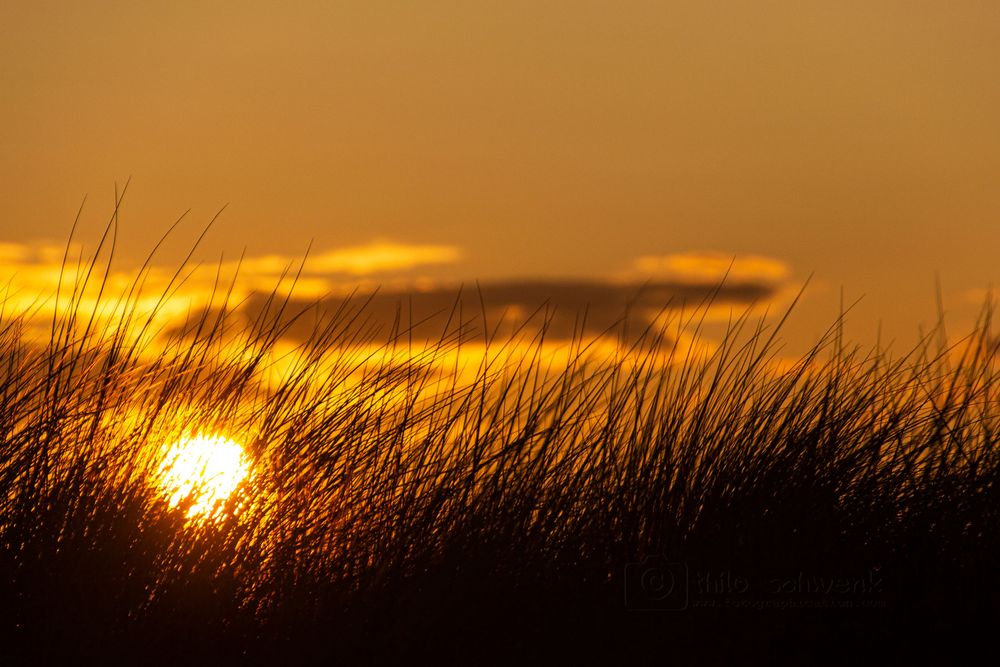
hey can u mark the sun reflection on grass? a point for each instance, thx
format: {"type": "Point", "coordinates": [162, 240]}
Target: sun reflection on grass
{"type": "Point", "coordinates": [201, 472]}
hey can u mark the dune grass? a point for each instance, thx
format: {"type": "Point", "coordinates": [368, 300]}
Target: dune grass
{"type": "Point", "coordinates": [402, 506]}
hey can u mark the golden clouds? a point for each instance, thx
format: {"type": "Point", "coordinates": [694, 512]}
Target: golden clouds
{"type": "Point", "coordinates": [709, 268]}
{"type": "Point", "coordinates": [388, 275]}
{"type": "Point", "coordinates": [378, 257]}
{"type": "Point", "coordinates": [336, 270]}
{"type": "Point", "coordinates": [31, 275]}
{"type": "Point", "coordinates": [12, 252]}
{"type": "Point", "coordinates": [381, 257]}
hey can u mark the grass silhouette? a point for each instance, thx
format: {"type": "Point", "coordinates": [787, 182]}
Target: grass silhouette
{"type": "Point", "coordinates": [403, 509]}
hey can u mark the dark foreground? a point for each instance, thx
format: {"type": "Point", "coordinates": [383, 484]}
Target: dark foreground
{"type": "Point", "coordinates": [657, 506]}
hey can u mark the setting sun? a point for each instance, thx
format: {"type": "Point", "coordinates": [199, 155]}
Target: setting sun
{"type": "Point", "coordinates": [204, 469]}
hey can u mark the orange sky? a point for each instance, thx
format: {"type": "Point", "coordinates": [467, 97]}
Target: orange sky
{"type": "Point", "coordinates": [857, 140]}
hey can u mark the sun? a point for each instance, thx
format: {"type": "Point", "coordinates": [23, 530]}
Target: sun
{"type": "Point", "coordinates": [204, 471]}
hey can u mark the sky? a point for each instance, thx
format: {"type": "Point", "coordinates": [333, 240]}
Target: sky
{"type": "Point", "coordinates": [563, 141]}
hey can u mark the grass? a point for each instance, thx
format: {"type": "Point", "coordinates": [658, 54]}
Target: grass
{"type": "Point", "coordinates": [405, 508]}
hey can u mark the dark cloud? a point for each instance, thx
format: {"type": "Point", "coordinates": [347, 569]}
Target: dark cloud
{"type": "Point", "coordinates": [564, 307]}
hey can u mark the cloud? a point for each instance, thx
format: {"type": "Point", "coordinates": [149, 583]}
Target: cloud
{"type": "Point", "coordinates": [712, 267]}
{"type": "Point", "coordinates": [381, 257]}
{"type": "Point", "coordinates": [30, 275]}
{"type": "Point", "coordinates": [13, 252]}
{"type": "Point", "coordinates": [567, 307]}
{"type": "Point", "coordinates": [383, 274]}
{"type": "Point", "coordinates": [376, 258]}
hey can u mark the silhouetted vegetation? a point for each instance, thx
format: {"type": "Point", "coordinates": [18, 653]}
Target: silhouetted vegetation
{"type": "Point", "coordinates": [403, 507]}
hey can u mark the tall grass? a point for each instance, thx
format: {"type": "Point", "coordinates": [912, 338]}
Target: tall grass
{"type": "Point", "coordinates": [405, 506]}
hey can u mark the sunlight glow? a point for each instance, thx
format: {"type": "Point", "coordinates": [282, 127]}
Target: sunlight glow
{"type": "Point", "coordinates": [203, 471]}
